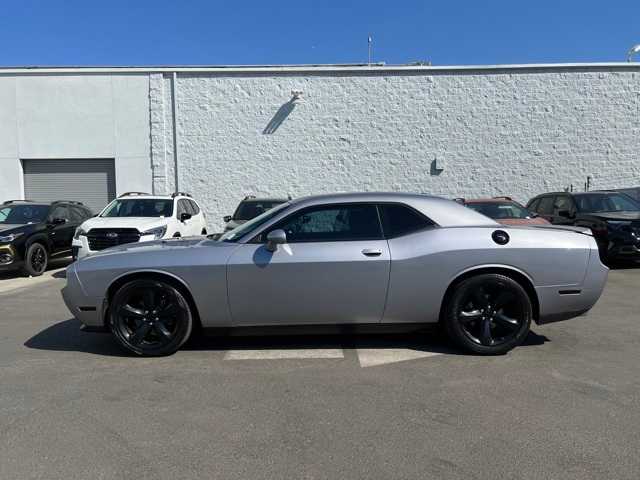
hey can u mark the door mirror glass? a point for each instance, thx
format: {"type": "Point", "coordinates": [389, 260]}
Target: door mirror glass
{"type": "Point", "coordinates": [275, 238]}
{"type": "Point", "coordinates": [226, 218]}
{"type": "Point", "coordinates": [185, 216]}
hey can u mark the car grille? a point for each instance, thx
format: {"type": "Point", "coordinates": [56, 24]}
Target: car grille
{"type": "Point", "coordinates": [101, 238]}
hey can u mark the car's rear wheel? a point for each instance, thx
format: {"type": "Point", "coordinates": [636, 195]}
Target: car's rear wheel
{"type": "Point", "coordinates": [36, 260]}
{"type": "Point", "coordinates": [488, 314]}
{"type": "Point", "coordinates": [150, 317]}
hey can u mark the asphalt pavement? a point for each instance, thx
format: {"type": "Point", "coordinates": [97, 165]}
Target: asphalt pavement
{"type": "Point", "coordinates": [565, 405]}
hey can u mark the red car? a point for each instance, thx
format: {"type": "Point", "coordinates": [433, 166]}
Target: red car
{"type": "Point", "coordinates": [504, 210]}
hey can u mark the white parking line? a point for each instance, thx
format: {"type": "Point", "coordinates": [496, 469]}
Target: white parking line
{"type": "Point", "coordinates": [372, 357]}
{"type": "Point", "coordinates": [280, 354]}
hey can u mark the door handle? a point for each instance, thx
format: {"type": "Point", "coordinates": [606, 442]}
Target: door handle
{"type": "Point", "coordinates": [371, 252]}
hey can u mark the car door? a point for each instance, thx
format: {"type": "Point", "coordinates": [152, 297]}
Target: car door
{"type": "Point", "coordinates": [61, 234]}
{"type": "Point", "coordinates": [564, 210]}
{"type": "Point", "coordinates": [545, 207]}
{"type": "Point", "coordinates": [334, 269]}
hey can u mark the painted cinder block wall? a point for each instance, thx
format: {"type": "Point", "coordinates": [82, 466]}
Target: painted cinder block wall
{"type": "Point", "coordinates": [464, 132]}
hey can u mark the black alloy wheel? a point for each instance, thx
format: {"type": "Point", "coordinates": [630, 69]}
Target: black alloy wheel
{"type": "Point", "coordinates": [36, 260]}
{"type": "Point", "coordinates": [150, 317]}
{"type": "Point", "coordinates": [489, 314]}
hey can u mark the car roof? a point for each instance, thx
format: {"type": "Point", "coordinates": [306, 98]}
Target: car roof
{"type": "Point", "coordinates": [265, 199]}
{"type": "Point", "coordinates": [444, 212]}
{"type": "Point", "coordinates": [489, 200]}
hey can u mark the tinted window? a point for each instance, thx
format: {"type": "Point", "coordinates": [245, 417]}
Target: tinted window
{"type": "Point", "coordinates": [60, 211]}
{"type": "Point", "coordinates": [564, 202]}
{"type": "Point", "coordinates": [499, 210]}
{"type": "Point", "coordinates": [183, 207]}
{"type": "Point", "coordinates": [194, 207]}
{"type": "Point", "coordinates": [22, 214]}
{"type": "Point", "coordinates": [77, 214]}
{"type": "Point", "coordinates": [606, 202]}
{"type": "Point", "coordinates": [533, 205]}
{"type": "Point", "coordinates": [401, 220]}
{"type": "Point", "coordinates": [249, 209]}
{"type": "Point", "coordinates": [333, 223]}
{"type": "Point", "coordinates": [546, 206]}
{"type": "Point", "coordinates": [139, 207]}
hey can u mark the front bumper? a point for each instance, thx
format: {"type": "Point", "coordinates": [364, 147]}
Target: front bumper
{"type": "Point", "coordinates": [10, 258]}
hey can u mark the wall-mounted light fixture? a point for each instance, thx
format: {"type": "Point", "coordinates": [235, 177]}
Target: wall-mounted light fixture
{"type": "Point", "coordinates": [633, 51]}
{"type": "Point", "coordinates": [296, 96]}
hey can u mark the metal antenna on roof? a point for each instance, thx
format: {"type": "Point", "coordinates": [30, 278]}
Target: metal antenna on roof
{"type": "Point", "coordinates": [369, 46]}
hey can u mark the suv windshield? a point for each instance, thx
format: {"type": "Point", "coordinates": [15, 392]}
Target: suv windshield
{"type": "Point", "coordinates": [21, 214]}
{"type": "Point", "coordinates": [139, 207]}
{"type": "Point", "coordinates": [605, 202]}
{"type": "Point", "coordinates": [497, 210]}
{"type": "Point", "coordinates": [249, 209]}
{"type": "Point", "coordinates": [242, 230]}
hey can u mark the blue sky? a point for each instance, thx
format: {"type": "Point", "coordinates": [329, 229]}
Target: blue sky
{"type": "Point", "coordinates": [116, 32]}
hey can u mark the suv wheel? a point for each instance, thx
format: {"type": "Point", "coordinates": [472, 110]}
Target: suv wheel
{"type": "Point", "coordinates": [488, 314]}
{"type": "Point", "coordinates": [150, 317]}
{"type": "Point", "coordinates": [36, 260]}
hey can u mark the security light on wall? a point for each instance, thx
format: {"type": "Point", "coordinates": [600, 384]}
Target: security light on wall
{"type": "Point", "coordinates": [296, 96]}
{"type": "Point", "coordinates": [633, 51]}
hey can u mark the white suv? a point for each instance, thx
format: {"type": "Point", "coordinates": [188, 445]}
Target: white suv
{"type": "Point", "coordinates": [139, 217]}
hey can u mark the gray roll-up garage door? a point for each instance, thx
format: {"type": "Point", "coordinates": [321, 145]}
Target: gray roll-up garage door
{"type": "Point", "coordinates": [90, 181]}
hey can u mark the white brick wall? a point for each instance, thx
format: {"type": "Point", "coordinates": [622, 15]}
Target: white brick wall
{"type": "Point", "coordinates": [515, 132]}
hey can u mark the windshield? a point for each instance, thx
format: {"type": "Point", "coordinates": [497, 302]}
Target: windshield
{"type": "Point", "coordinates": [139, 207]}
{"type": "Point", "coordinates": [499, 210]}
{"type": "Point", "coordinates": [252, 208]}
{"type": "Point", "coordinates": [21, 214]}
{"type": "Point", "coordinates": [605, 202]}
{"type": "Point", "coordinates": [242, 230]}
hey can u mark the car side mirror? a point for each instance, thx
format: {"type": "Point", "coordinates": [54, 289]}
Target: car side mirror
{"type": "Point", "coordinates": [226, 218]}
{"type": "Point", "coordinates": [275, 238]}
{"type": "Point", "coordinates": [565, 213]}
{"type": "Point", "coordinates": [58, 221]}
{"type": "Point", "coordinates": [185, 216]}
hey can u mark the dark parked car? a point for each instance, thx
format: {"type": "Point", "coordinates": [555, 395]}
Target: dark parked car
{"type": "Point", "coordinates": [249, 208]}
{"type": "Point", "coordinates": [613, 217]}
{"type": "Point", "coordinates": [633, 192]}
{"type": "Point", "coordinates": [31, 233]}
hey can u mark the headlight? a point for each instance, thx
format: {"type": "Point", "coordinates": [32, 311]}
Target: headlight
{"type": "Point", "coordinates": [157, 232]}
{"type": "Point", "coordinates": [10, 238]}
{"type": "Point", "coordinates": [79, 232]}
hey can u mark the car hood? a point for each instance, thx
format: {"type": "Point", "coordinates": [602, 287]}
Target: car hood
{"type": "Point", "coordinates": [615, 215]}
{"type": "Point", "coordinates": [161, 245]}
{"type": "Point", "coordinates": [9, 228]}
{"type": "Point", "coordinates": [140, 223]}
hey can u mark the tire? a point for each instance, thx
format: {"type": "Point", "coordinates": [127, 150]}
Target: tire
{"type": "Point", "coordinates": [488, 314]}
{"type": "Point", "coordinates": [204, 231]}
{"type": "Point", "coordinates": [150, 317]}
{"type": "Point", "coordinates": [36, 260]}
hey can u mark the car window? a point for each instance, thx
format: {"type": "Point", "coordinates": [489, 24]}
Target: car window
{"type": "Point", "coordinates": [546, 205]}
{"type": "Point", "coordinates": [332, 223]}
{"type": "Point", "coordinates": [563, 202]}
{"type": "Point", "coordinates": [60, 211]}
{"type": "Point", "coordinates": [252, 225]}
{"type": "Point", "coordinates": [500, 210]}
{"type": "Point", "coordinates": [77, 214]}
{"type": "Point", "coordinates": [23, 214]}
{"type": "Point", "coordinates": [139, 207]}
{"type": "Point", "coordinates": [606, 202]}
{"type": "Point", "coordinates": [400, 220]}
{"type": "Point", "coordinates": [249, 209]}
{"type": "Point", "coordinates": [533, 205]}
{"type": "Point", "coordinates": [194, 207]}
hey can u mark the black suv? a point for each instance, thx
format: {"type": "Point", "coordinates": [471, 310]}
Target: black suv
{"type": "Point", "coordinates": [613, 217]}
{"type": "Point", "coordinates": [33, 232]}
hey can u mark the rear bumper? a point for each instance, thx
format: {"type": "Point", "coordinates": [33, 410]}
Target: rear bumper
{"type": "Point", "coordinates": [562, 302]}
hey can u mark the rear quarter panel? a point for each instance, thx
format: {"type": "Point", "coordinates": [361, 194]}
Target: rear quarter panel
{"type": "Point", "coordinates": [424, 264]}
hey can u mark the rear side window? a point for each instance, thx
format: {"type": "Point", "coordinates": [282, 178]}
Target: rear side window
{"type": "Point", "coordinates": [77, 214]}
{"type": "Point", "coordinates": [533, 205]}
{"type": "Point", "coordinates": [194, 207]}
{"type": "Point", "coordinates": [332, 224]}
{"type": "Point", "coordinates": [546, 206]}
{"type": "Point", "coordinates": [398, 220]}
{"type": "Point", "coordinates": [183, 207]}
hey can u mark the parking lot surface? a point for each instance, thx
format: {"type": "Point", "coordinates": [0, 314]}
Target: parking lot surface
{"type": "Point", "coordinates": [565, 405]}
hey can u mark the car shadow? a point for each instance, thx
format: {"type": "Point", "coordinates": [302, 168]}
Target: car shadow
{"type": "Point", "coordinates": [53, 265]}
{"type": "Point", "coordinates": [67, 336]}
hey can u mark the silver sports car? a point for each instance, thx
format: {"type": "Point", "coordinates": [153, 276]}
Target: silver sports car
{"type": "Point", "coordinates": [344, 259]}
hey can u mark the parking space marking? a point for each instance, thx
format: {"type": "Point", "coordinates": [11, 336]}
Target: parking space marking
{"type": "Point", "coordinates": [281, 354]}
{"type": "Point", "coordinates": [11, 284]}
{"type": "Point", "coordinates": [373, 357]}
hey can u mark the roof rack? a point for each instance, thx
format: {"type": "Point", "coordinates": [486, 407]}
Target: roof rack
{"type": "Point", "coordinates": [503, 197]}
{"type": "Point", "coordinates": [73, 202]}
{"type": "Point", "coordinates": [180, 194]}
{"type": "Point", "coordinates": [460, 200]}
{"type": "Point", "coordinates": [7, 202]}
{"type": "Point", "coordinates": [133, 194]}
{"type": "Point", "coordinates": [248, 197]}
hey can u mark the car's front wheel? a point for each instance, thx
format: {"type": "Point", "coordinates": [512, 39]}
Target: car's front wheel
{"type": "Point", "coordinates": [150, 317]}
{"type": "Point", "coordinates": [488, 314]}
{"type": "Point", "coordinates": [36, 260]}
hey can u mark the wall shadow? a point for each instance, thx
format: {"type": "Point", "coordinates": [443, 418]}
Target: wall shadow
{"type": "Point", "coordinates": [281, 115]}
